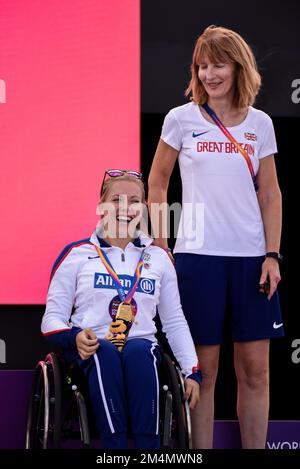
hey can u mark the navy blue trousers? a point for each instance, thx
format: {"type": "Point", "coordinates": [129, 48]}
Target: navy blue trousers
{"type": "Point", "coordinates": [124, 392]}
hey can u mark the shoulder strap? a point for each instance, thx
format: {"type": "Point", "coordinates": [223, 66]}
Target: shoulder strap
{"type": "Point", "coordinates": [230, 137]}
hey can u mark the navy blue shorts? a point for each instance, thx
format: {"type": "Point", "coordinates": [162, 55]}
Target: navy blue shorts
{"type": "Point", "coordinates": [215, 288]}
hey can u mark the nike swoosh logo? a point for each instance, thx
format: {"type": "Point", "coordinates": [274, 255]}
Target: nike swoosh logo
{"type": "Point", "coordinates": [201, 133]}
{"type": "Point", "coordinates": [277, 326]}
{"type": "Point", "coordinates": [93, 257]}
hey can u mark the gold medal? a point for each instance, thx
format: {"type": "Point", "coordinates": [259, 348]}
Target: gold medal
{"type": "Point", "coordinates": [125, 312]}
{"type": "Point", "coordinates": [121, 324]}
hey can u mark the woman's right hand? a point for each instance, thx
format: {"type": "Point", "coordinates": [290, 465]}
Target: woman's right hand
{"type": "Point", "coordinates": [87, 343]}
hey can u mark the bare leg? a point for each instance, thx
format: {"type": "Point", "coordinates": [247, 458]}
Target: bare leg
{"type": "Point", "coordinates": [252, 371]}
{"type": "Point", "coordinates": [203, 414]}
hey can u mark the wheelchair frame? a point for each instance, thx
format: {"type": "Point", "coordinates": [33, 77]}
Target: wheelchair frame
{"type": "Point", "coordinates": [59, 408]}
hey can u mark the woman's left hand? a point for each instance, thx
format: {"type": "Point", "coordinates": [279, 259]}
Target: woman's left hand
{"type": "Point", "coordinates": [270, 271]}
{"type": "Point", "coordinates": [192, 392]}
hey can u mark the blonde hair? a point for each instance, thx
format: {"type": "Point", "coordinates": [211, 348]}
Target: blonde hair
{"type": "Point", "coordinates": [125, 177]}
{"type": "Point", "coordinates": [219, 44]}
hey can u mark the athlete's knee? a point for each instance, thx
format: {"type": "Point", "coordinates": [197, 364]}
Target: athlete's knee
{"type": "Point", "coordinates": [107, 349]}
{"type": "Point", "coordinates": [106, 345]}
{"type": "Point", "coordinates": [209, 377]}
{"type": "Point", "coordinates": [135, 347]}
{"type": "Point", "coordinates": [137, 350]}
{"type": "Point", "coordinates": [208, 356]}
{"type": "Point", "coordinates": [209, 370]}
{"type": "Point", "coordinates": [254, 377]}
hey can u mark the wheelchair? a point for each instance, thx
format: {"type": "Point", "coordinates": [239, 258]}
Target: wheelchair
{"type": "Point", "coordinates": [59, 408]}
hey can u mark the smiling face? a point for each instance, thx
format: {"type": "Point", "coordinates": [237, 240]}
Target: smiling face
{"type": "Point", "coordinates": [218, 79]}
{"type": "Point", "coordinates": [122, 208]}
{"type": "Point", "coordinates": [220, 46]}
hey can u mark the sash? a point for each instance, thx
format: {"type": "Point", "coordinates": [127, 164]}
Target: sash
{"type": "Point", "coordinates": [230, 137]}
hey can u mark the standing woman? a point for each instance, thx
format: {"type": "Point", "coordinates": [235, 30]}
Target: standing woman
{"type": "Point", "coordinates": [225, 148]}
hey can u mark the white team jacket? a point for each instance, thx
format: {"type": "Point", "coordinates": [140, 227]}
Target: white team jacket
{"type": "Point", "coordinates": [81, 283]}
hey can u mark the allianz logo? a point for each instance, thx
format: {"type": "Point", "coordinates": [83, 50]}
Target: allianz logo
{"type": "Point", "coordinates": [146, 285]}
{"type": "Point", "coordinates": [2, 351]}
{"type": "Point", "coordinates": [107, 281]}
{"type": "Point", "coordinates": [283, 444]}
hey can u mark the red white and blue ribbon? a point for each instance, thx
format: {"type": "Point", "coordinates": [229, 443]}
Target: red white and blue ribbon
{"type": "Point", "coordinates": [230, 137]}
{"type": "Point", "coordinates": [117, 282]}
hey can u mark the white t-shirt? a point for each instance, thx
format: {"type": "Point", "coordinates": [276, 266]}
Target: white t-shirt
{"type": "Point", "coordinates": [220, 213]}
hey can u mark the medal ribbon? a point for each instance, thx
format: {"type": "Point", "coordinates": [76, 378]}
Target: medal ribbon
{"type": "Point", "coordinates": [118, 285]}
{"type": "Point", "coordinates": [230, 137]}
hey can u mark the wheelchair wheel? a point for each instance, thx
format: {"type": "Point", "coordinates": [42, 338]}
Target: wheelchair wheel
{"type": "Point", "coordinates": [83, 420]}
{"type": "Point", "coordinates": [175, 423]}
{"type": "Point", "coordinates": [36, 410]}
{"type": "Point", "coordinates": [55, 400]}
{"type": "Point", "coordinates": [186, 410]}
{"type": "Point", "coordinates": [44, 413]}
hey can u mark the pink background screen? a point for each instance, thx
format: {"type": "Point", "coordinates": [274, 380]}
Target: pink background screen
{"type": "Point", "coordinates": [69, 108]}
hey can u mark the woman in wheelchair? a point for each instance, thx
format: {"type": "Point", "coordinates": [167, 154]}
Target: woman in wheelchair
{"type": "Point", "coordinates": [103, 296]}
